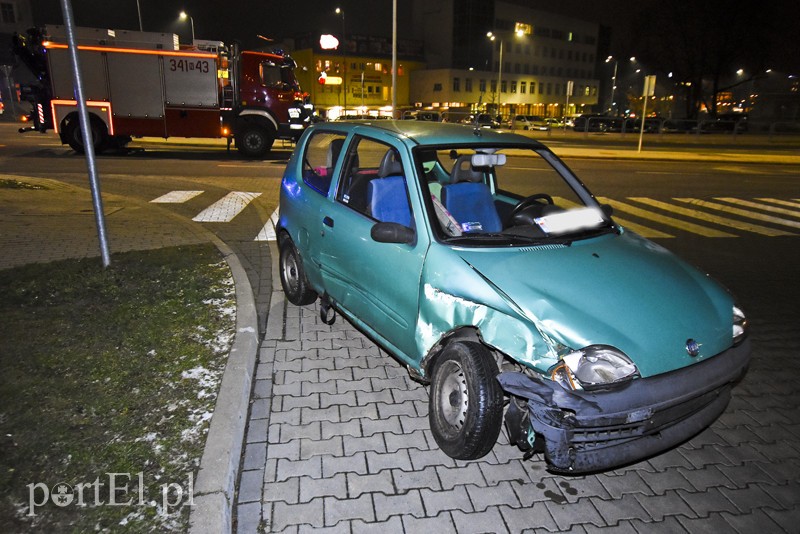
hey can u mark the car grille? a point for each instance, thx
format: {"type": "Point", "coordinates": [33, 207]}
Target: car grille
{"type": "Point", "coordinates": [584, 438]}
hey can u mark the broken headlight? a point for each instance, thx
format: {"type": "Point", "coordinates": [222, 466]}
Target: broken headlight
{"type": "Point", "coordinates": [739, 325]}
{"type": "Point", "coordinates": [593, 367]}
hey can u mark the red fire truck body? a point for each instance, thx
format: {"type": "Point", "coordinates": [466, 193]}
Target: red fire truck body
{"type": "Point", "coordinates": [142, 84]}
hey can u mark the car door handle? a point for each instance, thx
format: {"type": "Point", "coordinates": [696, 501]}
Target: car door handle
{"type": "Point", "coordinates": [327, 221]}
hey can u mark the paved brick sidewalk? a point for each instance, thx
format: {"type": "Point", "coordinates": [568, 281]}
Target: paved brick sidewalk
{"type": "Point", "coordinates": [339, 440]}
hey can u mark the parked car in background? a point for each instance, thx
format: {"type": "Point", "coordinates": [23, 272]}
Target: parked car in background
{"type": "Point", "coordinates": [482, 120]}
{"type": "Point", "coordinates": [725, 122]}
{"type": "Point", "coordinates": [528, 122]}
{"type": "Point", "coordinates": [555, 123]}
{"type": "Point", "coordinates": [484, 265]}
{"type": "Point", "coordinates": [593, 122]}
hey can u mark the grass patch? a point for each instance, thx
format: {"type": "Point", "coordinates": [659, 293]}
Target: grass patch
{"type": "Point", "coordinates": [109, 371]}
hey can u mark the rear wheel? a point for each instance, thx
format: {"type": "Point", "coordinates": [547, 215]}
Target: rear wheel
{"type": "Point", "coordinates": [254, 141]}
{"type": "Point", "coordinates": [73, 134]}
{"type": "Point", "coordinates": [466, 401]}
{"type": "Point", "coordinates": [293, 276]}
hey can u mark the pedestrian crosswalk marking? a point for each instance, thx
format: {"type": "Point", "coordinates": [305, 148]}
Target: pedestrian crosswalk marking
{"type": "Point", "coordinates": [268, 233]}
{"type": "Point", "coordinates": [710, 217]}
{"type": "Point", "coordinates": [640, 229]}
{"type": "Point", "coordinates": [669, 221]}
{"type": "Point", "coordinates": [750, 227]}
{"type": "Point", "coordinates": [228, 207]}
{"type": "Point", "coordinates": [780, 202]}
{"type": "Point", "coordinates": [765, 207]}
{"type": "Point", "coordinates": [176, 197]}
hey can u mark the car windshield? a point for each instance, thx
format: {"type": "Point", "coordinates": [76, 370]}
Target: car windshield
{"type": "Point", "coordinates": [495, 196]}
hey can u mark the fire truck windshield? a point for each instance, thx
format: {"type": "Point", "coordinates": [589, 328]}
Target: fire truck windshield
{"type": "Point", "coordinates": [279, 76]}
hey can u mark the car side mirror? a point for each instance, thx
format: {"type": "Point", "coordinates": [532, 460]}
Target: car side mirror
{"type": "Point", "coordinates": [389, 232]}
{"type": "Point", "coordinates": [607, 210]}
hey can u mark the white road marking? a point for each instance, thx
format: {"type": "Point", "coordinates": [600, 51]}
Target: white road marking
{"type": "Point", "coordinates": [176, 197]}
{"type": "Point", "coordinates": [226, 208]}
{"type": "Point", "coordinates": [268, 232]}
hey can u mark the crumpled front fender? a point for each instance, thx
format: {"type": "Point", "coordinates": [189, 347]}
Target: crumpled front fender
{"type": "Point", "coordinates": [442, 313]}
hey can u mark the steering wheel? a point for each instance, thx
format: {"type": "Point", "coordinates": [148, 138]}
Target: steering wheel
{"type": "Point", "coordinates": [528, 202]}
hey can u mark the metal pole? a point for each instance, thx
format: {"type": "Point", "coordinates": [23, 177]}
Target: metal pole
{"type": "Point", "coordinates": [394, 59]}
{"type": "Point", "coordinates": [340, 11]}
{"type": "Point", "coordinates": [139, 10]}
{"type": "Point", "coordinates": [613, 87]}
{"type": "Point", "coordinates": [86, 132]}
{"type": "Point", "coordinates": [500, 77]}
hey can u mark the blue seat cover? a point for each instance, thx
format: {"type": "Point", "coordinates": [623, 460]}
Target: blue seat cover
{"type": "Point", "coordinates": [388, 200]}
{"type": "Point", "coordinates": [472, 205]}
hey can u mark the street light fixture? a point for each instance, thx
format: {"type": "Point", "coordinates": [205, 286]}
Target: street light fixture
{"type": "Point", "coordinates": [183, 16]}
{"type": "Point", "coordinates": [340, 11]}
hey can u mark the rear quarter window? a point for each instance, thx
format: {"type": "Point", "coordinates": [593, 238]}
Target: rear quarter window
{"type": "Point", "coordinates": [322, 152]}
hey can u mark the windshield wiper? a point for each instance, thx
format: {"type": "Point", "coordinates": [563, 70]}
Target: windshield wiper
{"type": "Point", "coordinates": [493, 238]}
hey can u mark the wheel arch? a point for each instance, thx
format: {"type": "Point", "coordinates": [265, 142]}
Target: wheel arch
{"type": "Point", "coordinates": [259, 117]}
{"type": "Point", "coordinates": [462, 333]}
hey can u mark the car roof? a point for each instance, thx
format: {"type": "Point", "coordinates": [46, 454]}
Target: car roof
{"type": "Point", "coordinates": [433, 133]}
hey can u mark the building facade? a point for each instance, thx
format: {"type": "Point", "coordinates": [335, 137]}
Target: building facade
{"type": "Point", "coordinates": [356, 81]}
{"type": "Point", "coordinates": [504, 59]}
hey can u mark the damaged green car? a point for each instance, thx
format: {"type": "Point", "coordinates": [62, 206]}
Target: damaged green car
{"type": "Point", "coordinates": [482, 263]}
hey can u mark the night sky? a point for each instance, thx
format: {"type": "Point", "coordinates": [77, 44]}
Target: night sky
{"type": "Point", "coordinates": [242, 20]}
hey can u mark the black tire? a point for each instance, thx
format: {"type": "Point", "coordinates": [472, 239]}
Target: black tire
{"type": "Point", "coordinates": [293, 276]}
{"type": "Point", "coordinates": [253, 141]}
{"type": "Point", "coordinates": [466, 401]}
{"type": "Point", "coordinates": [74, 136]}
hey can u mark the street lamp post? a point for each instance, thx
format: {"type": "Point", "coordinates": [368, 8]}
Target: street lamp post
{"type": "Point", "coordinates": [613, 83]}
{"type": "Point", "coordinates": [492, 37]}
{"type": "Point", "coordinates": [139, 11]}
{"type": "Point", "coordinates": [183, 16]}
{"type": "Point", "coordinates": [340, 11]}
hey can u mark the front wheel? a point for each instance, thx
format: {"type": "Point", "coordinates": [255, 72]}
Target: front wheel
{"type": "Point", "coordinates": [254, 141]}
{"type": "Point", "coordinates": [293, 276]}
{"type": "Point", "coordinates": [466, 401]}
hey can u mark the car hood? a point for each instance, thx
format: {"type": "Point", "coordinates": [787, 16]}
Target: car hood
{"type": "Point", "coordinates": [619, 290]}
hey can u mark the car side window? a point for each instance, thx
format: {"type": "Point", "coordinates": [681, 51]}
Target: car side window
{"type": "Point", "coordinates": [322, 152]}
{"type": "Point", "coordinates": [373, 182]}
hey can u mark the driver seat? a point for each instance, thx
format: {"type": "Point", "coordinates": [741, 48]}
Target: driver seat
{"type": "Point", "coordinates": [469, 200]}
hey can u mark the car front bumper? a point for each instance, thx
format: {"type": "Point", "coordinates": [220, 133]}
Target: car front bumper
{"type": "Point", "coordinates": [587, 431]}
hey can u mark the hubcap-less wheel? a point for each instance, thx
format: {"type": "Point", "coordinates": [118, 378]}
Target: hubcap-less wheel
{"type": "Point", "coordinates": [293, 277]}
{"type": "Point", "coordinates": [466, 401]}
{"type": "Point", "coordinates": [454, 397]}
{"type": "Point", "coordinates": [290, 273]}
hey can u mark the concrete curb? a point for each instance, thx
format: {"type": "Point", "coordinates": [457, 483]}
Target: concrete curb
{"type": "Point", "coordinates": [214, 490]}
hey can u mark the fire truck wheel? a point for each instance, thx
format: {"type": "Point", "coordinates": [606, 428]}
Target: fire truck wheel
{"type": "Point", "coordinates": [254, 141]}
{"type": "Point", "coordinates": [74, 137]}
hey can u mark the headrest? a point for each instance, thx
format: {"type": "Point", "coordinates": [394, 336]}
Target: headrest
{"type": "Point", "coordinates": [334, 149]}
{"type": "Point", "coordinates": [463, 171]}
{"type": "Point", "coordinates": [390, 164]}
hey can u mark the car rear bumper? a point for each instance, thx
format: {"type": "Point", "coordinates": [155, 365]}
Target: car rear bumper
{"type": "Point", "coordinates": [593, 431]}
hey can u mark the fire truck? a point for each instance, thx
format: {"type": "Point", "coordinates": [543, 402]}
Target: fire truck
{"type": "Point", "coordinates": [144, 84]}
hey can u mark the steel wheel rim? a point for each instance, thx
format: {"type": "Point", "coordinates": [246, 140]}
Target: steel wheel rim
{"type": "Point", "coordinates": [290, 271]}
{"type": "Point", "coordinates": [453, 397]}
